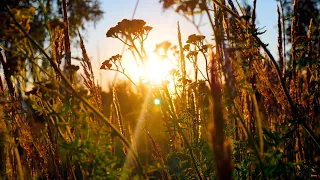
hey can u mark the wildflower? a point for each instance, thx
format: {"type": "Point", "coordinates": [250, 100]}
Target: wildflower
{"type": "Point", "coordinates": [130, 29]}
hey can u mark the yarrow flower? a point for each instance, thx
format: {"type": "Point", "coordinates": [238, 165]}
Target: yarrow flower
{"type": "Point", "coordinates": [129, 29]}
{"type": "Point", "coordinates": [107, 64]}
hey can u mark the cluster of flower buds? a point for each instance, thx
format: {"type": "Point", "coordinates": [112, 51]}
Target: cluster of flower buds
{"type": "Point", "coordinates": [107, 64]}
{"type": "Point", "coordinates": [130, 29]}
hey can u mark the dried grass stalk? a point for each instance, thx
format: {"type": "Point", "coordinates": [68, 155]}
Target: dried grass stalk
{"type": "Point", "coordinates": [281, 60]}
{"type": "Point", "coordinates": [66, 36]}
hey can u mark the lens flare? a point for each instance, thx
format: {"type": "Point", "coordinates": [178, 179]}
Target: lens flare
{"type": "Point", "coordinates": [156, 102]}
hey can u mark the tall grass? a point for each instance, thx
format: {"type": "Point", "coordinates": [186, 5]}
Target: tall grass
{"type": "Point", "coordinates": [246, 115]}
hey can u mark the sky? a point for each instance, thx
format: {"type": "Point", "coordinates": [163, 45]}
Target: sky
{"type": "Point", "coordinates": [164, 25]}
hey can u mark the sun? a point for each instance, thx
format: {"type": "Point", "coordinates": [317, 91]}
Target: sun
{"type": "Point", "coordinates": [154, 71]}
{"type": "Point", "coordinates": [157, 69]}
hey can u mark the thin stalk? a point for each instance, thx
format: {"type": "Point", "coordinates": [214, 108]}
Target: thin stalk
{"type": "Point", "coordinates": [66, 35]}
{"type": "Point", "coordinates": [253, 15]}
{"type": "Point", "coordinates": [242, 11]}
{"type": "Point", "coordinates": [208, 14]}
{"type": "Point", "coordinates": [207, 67]}
{"type": "Point", "coordinates": [125, 76]}
{"type": "Point", "coordinates": [284, 36]}
{"type": "Point", "coordinates": [183, 66]}
{"type": "Point", "coordinates": [17, 156]}
{"type": "Point", "coordinates": [280, 49]}
{"type": "Point", "coordinates": [137, 51]}
{"type": "Point", "coordinates": [194, 24]}
{"type": "Point", "coordinates": [204, 77]}
{"type": "Point", "coordinates": [256, 108]}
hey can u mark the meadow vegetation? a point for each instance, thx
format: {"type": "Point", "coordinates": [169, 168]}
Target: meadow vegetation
{"type": "Point", "coordinates": [247, 115]}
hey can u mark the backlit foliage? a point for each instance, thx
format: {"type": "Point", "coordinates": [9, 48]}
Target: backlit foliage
{"type": "Point", "coordinates": [240, 114]}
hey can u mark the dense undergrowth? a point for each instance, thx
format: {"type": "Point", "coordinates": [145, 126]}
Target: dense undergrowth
{"type": "Point", "coordinates": [246, 115]}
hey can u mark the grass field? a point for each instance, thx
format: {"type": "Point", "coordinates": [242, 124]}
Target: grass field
{"type": "Point", "coordinates": [246, 115]}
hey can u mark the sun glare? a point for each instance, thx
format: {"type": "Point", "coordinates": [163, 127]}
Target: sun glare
{"type": "Point", "coordinates": [157, 69]}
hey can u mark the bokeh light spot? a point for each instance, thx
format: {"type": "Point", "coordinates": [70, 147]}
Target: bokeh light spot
{"type": "Point", "coordinates": [156, 102]}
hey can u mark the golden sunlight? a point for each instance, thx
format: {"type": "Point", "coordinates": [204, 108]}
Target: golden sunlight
{"type": "Point", "coordinates": [157, 69]}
